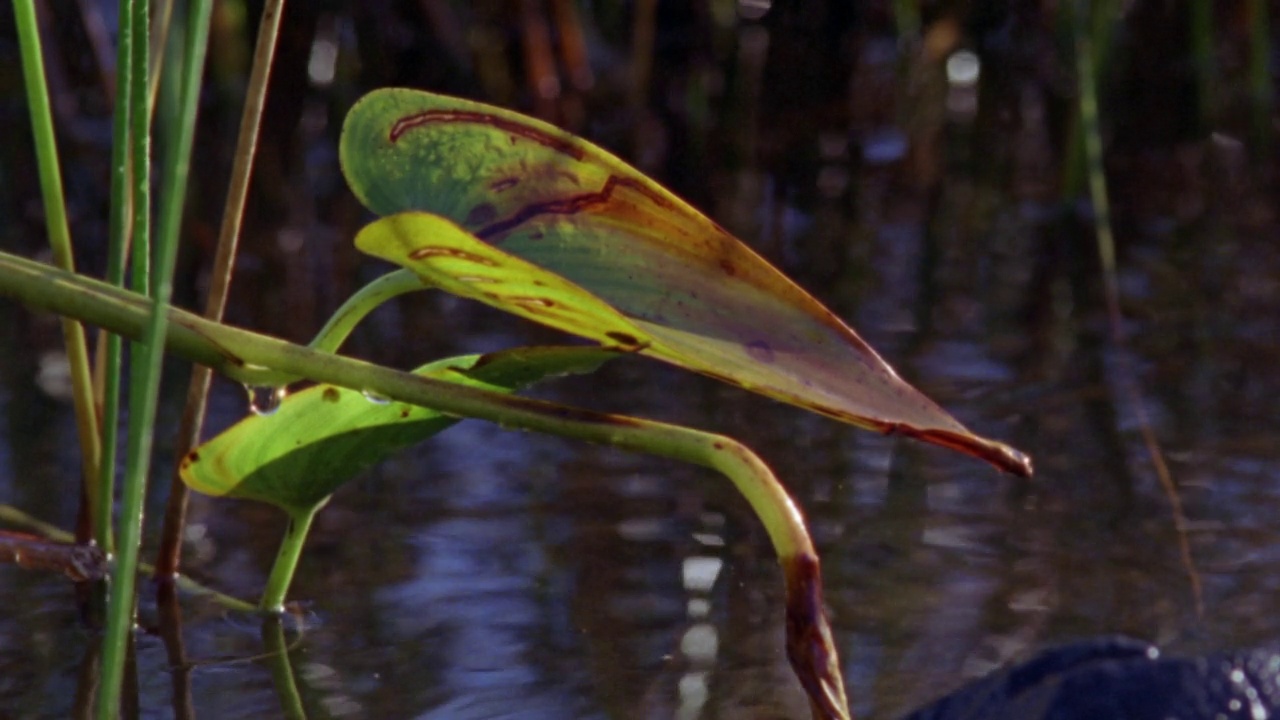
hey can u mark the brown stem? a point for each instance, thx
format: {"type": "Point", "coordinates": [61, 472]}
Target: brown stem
{"type": "Point", "coordinates": [168, 557]}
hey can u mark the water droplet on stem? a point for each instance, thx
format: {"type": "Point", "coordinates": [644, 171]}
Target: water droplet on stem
{"type": "Point", "coordinates": [375, 398]}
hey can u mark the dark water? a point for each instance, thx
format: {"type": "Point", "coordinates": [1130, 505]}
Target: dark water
{"type": "Point", "coordinates": [490, 574]}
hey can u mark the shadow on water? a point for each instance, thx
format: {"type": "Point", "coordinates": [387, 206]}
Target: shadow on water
{"type": "Point", "coordinates": [919, 185]}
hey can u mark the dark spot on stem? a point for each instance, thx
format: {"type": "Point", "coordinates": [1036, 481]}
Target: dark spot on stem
{"type": "Point", "coordinates": [810, 646]}
{"type": "Point", "coordinates": [728, 267]}
{"type": "Point", "coordinates": [722, 378]}
{"type": "Point", "coordinates": [565, 412]}
{"type": "Point", "coordinates": [623, 338]}
{"type": "Point", "coordinates": [331, 394]}
{"type": "Point", "coordinates": [1004, 457]}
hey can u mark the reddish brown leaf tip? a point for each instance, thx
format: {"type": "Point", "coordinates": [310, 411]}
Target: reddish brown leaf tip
{"type": "Point", "coordinates": [1005, 457]}
{"type": "Point", "coordinates": [810, 647]}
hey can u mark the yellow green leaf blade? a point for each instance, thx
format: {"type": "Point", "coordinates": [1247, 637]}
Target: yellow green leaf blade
{"type": "Point", "coordinates": [445, 255]}
{"type": "Point", "coordinates": [750, 350]}
{"type": "Point", "coordinates": [323, 436]}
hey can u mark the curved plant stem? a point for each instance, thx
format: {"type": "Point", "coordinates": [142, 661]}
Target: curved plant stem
{"type": "Point", "coordinates": [169, 554]}
{"type": "Point", "coordinates": [60, 241]}
{"type": "Point", "coordinates": [359, 305]}
{"type": "Point", "coordinates": [287, 559]}
{"type": "Point", "coordinates": [260, 360]}
{"type": "Point", "coordinates": [1086, 68]}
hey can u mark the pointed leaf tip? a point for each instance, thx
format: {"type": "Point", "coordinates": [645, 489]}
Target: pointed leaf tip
{"type": "Point", "coordinates": [654, 268]}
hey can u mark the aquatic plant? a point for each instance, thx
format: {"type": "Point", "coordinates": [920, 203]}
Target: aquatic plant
{"type": "Point", "coordinates": [486, 204]}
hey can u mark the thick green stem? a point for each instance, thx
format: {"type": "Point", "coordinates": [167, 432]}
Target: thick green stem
{"type": "Point", "coordinates": [176, 171]}
{"type": "Point", "coordinates": [261, 360]}
{"type": "Point", "coordinates": [110, 347]}
{"type": "Point", "coordinates": [144, 387]}
{"type": "Point", "coordinates": [286, 564]}
{"type": "Point", "coordinates": [60, 241]}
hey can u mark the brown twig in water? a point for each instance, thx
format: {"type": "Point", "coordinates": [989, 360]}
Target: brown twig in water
{"type": "Point", "coordinates": [80, 563]}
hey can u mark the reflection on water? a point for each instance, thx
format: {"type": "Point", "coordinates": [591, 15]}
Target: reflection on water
{"type": "Point", "coordinates": [490, 574]}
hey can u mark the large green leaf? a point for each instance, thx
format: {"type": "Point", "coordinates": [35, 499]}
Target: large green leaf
{"type": "Point", "coordinates": [323, 436]}
{"type": "Point", "coordinates": [698, 296]}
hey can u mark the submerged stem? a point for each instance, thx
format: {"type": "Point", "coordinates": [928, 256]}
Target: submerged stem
{"type": "Point", "coordinates": [282, 670]}
{"type": "Point", "coordinates": [144, 389]}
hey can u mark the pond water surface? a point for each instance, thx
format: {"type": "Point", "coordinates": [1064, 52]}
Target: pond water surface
{"type": "Point", "coordinates": [495, 574]}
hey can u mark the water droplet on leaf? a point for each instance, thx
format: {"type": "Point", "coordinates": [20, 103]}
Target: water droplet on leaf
{"type": "Point", "coordinates": [264, 399]}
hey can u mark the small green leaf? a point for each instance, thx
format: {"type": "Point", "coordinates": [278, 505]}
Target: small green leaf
{"type": "Point", "coordinates": [321, 437]}
{"type": "Point", "coordinates": [696, 296]}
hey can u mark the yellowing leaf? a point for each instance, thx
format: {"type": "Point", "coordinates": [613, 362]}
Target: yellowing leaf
{"type": "Point", "coordinates": [695, 294]}
{"type": "Point", "coordinates": [451, 258]}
